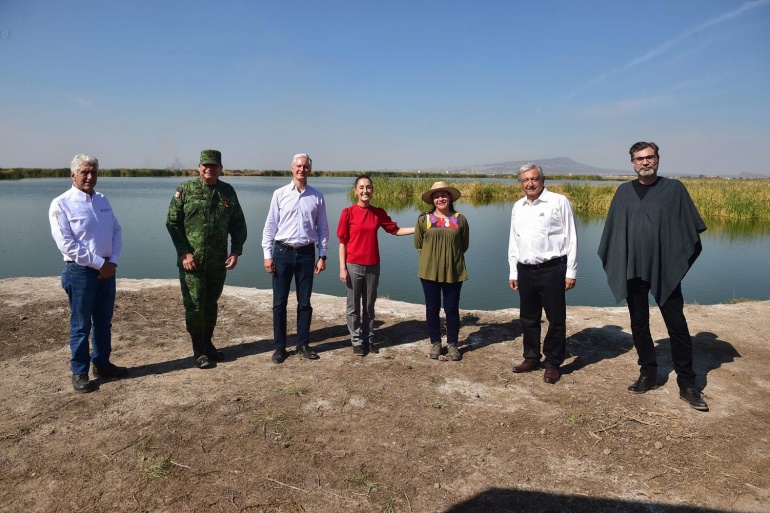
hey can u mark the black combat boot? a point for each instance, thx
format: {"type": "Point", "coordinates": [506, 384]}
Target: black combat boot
{"type": "Point", "coordinates": [212, 352]}
{"type": "Point", "coordinates": [202, 360]}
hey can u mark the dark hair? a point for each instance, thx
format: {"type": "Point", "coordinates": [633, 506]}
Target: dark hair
{"type": "Point", "coordinates": [641, 145]}
{"type": "Point", "coordinates": [361, 177]}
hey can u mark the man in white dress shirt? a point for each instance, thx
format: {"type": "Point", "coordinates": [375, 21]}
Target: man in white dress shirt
{"type": "Point", "coordinates": [542, 254]}
{"type": "Point", "coordinates": [88, 235]}
{"type": "Point", "coordinates": [296, 222]}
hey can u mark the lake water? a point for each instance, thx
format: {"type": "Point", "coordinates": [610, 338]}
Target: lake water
{"type": "Point", "coordinates": [733, 263]}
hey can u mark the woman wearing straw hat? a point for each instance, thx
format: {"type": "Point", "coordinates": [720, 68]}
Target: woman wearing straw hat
{"type": "Point", "coordinates": [441, 238]}
{"type": "Point", "coordinates": [360, 261]}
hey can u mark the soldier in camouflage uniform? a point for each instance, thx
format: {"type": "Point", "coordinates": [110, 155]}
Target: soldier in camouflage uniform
{"type": "Point", "coordinates": [201, 215]}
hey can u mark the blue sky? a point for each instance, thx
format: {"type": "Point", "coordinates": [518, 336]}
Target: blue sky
{"type": "Point", "coordinates": [385, 85]}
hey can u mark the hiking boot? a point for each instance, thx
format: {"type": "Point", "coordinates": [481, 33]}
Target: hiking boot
{"type": "Point", "coordinates": [373, 348]}
{"type": "Point", "coordinates": [203, 362]}
{"type": "Point", "coordinates": [454, 353]}
{"type": "Point", "coordinates": [110, 371]}
{"type": "Point", "coordinates": [435, 351]}
{"type": "Point", "coordinates": [81, 384]}
{"type": "Point", "coordinates": [359, 350]}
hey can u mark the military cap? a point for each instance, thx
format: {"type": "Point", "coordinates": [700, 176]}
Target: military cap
{"type": "Point", "coordinates": [211, 157]}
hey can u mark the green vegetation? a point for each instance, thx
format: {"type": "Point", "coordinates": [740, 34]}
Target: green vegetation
{"type": "Point", "coordinates": [157, 467]}
{"type": "Point", "coordinates": [297, 390]}
{"type": "Point", "coordinates": [716, 198]}
{"type": "Point", "coordinates": [365, 479]}
{"type": "Point", "coordinates": [720, 199]}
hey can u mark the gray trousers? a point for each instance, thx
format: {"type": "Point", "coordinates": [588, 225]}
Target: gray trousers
{"type": "Point", "coordinates": [361, 287]}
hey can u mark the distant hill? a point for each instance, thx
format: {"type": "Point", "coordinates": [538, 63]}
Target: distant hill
{"type": "Point", "coordinates": [554, 166]}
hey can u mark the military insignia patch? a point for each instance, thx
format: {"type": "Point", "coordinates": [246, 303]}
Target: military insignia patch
{"type": "Point", "coordinates": [178, 195]}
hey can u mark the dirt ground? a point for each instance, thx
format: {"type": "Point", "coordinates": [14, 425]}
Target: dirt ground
{"type": "Point", "coordinates": [391, 432]}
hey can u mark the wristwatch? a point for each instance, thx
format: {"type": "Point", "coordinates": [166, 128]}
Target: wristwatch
{"type": "Point", "coordinates": [322, 258]}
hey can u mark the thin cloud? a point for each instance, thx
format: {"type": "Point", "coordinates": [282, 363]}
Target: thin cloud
{"type": "Point", "coordinates": [626, 108]}
{"type": "Point", "coordinates": [83, 102]}
{"type": "Point", "coordinates": [668, 44]}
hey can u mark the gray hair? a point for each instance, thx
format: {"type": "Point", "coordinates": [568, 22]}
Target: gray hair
{"type": "Point", "coordinates": [79, 160]}
{"type": "Point", "coordinates": [302, 156]}
{"type": "Point", "coordinates": [529, 166]}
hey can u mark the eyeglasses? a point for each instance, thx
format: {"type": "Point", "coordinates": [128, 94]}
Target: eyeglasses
{"type": "Point", "coordinates": [639, 160]}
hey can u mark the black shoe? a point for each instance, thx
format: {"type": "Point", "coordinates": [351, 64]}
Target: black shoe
{"type": "Point", "coordinates": [373, 348]}
{"type": "Point", "coordinates": [280, 355]}
{"type": "Point", "coordinates": [644, 384]}
{"type": "Point", "coordinates": [307, 352]}
{"type": "Point", "coordinates": [204, 362]}
{"type": "Point", "coordinates": [110, 371]}
{"type": "Point", "coordinates": [693, 398]}
{"type": "Point", "coordinates": [359, 350]}
{"type": "Point", "coordinates": [81, 384]}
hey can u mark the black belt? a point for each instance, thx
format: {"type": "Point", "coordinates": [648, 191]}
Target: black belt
{"type": "Point", "coordinates": [547, 263]}
{"type": "Point", "coordinates": [296, 249]}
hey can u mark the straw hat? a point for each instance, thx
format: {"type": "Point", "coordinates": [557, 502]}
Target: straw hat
{"type": "Point", "coordinates": [427, 196]}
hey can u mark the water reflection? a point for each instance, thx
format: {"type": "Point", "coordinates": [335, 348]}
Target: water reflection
{"type": "Point", "coordinates": [732, 264]}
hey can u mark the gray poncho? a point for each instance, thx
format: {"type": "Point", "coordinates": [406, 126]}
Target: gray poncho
{"type": "Point", "coordinates": [655, 239]}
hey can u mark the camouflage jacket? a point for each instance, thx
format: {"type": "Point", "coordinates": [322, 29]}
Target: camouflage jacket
{"type": "Point", "coordinates": [200, 219]}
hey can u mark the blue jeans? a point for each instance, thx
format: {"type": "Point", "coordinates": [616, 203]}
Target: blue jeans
{"type": "Point", "coordinates": [451, 292]}
{"type": "Point", "coordinates": [92, 302]}
{"type": "Point", "coordinates": [300, 266]}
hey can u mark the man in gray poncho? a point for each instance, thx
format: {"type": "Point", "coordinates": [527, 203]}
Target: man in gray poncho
{"type": "Point", "coordinates": [650, 240]}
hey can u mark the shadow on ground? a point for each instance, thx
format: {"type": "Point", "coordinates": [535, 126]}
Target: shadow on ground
{"type": "Point", "coordinates": [593, 345]}
{"type": "Point", "coordinates": [509, 500]}
{"type": "Point", "coordinates": [708, 353]}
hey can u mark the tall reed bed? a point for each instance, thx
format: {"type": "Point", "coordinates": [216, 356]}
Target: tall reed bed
{"type": "Point", "coordinates": [730, 199]}
{"type": "Point", "coordinates": [715, 198]}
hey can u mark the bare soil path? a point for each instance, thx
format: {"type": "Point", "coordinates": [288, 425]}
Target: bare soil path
{"type": "Point", "coordinates": [390, 432]}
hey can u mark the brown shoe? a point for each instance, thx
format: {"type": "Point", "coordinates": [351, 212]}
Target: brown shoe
{"type": "Point", "coordinates": [526, 366]}
{"type": "Point", "coordinates": [551, 375]}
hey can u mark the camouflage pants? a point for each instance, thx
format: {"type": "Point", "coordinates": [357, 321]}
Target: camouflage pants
{"type": "Point", "coordinates": [200, 293]}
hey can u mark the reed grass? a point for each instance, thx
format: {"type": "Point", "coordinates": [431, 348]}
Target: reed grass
{"type": "Point", "coordinates": [715, 198]}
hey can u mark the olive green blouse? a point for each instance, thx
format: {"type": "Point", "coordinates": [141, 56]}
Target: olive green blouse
{"type": "Point", "coordinates": [442, 244]}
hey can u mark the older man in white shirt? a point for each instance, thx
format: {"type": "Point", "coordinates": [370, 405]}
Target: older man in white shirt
{"type": "Point", "coordinates": [542, 254]}
{"type": "Point", "coordinates": [296, 222]}
{"type": "Point", "coordinates": [88, 235]}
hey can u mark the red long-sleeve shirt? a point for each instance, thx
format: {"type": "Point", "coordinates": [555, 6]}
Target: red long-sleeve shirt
{"type": "Point", "coordinates": [357, 229]}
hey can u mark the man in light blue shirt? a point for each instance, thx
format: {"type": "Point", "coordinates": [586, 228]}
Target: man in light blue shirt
{"type": "Point", "coordinates": [296, 222]}
{"type": "Point", "coordinates": [88, 236]}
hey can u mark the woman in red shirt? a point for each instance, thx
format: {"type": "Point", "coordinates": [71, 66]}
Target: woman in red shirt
{"type": "Point", "coordinates": [360, 261]}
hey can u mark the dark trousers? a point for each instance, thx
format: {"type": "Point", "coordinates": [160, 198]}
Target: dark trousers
{"type": "Point", "coordinates": [297, 265]}
{"type": "Point", "coordinates": [542, 288]}
{"type": "Point", "coordinates": [673, 315]}
{"type": "Point", "coordinates": [434, 290]}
